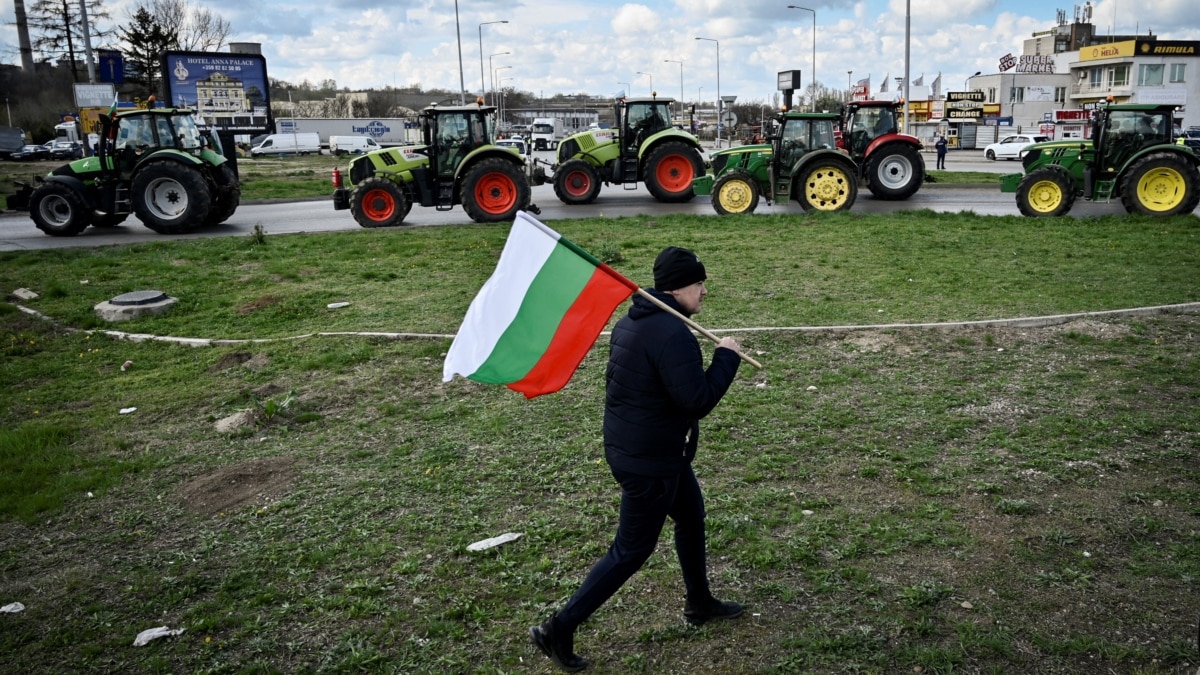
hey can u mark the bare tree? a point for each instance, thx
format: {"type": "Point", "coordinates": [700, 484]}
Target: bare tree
{"type": "Point", "coordinates": [193, 28]}
{"type": "Point", "coordinates": [59, 29]}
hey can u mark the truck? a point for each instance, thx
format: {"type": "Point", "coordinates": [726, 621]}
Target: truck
{"type": "Point", "coordinates": [1131, 155]}
{"type": "Point", "coordinates": [288, 144]}
{"type": "Point", "coordinates": [644, 146]}
{"type": "Point", "coordinates": [459, 163]}
{"type": "Point", "coordinates": [546, 132]}
{"type": "Point", "coordinates": [801, 161]}
{"type": "Point", "coordinates": [387, 131]}
{"type": "Point", "coordinates": [157, 163]}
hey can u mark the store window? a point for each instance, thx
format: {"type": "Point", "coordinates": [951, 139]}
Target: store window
{"type": "Point", "coordinates": [1060, 94]}
{"type": "Point", "coordinates": [1095, 77]}
{"type": "Point", "coordinates": [1150, 74]}
{"type": "Point", "coordinates": [1016, 95]}
{"type": "Point", "coordinates": [1178, 72]}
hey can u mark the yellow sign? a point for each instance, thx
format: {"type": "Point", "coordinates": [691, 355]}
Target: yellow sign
{"type": "Point", "coordinates": [1112, 50]}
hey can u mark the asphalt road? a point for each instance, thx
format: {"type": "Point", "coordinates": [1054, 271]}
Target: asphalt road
{"type": "Point", "coordinates": [17, 231]}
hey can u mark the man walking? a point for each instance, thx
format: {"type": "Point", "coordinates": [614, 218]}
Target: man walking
{"type": "Point", "coordinates": [657, 391]}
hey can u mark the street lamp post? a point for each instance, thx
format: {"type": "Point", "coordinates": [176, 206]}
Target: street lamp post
{"type": "Point", "coordinates": [651, 80]}
{"type": "Point", "coordinates": [493, 71]}
{"type": "Point", "coordinates": [680, 83]}
{"type": "Point", "coordinates": [496, 82]}
{"type": "Point", "coordinates": [482, 86]}
{"type": "Point", "coordinates": [849, 85]}
{"type": "Point", "coordinates": [718, 87]}
{"type": "Point", "coordinates": [812, 75]}
{"type": "Point", "coordinates": [462, 82]}
{"type": "Point", "coordinates": [500, 84]}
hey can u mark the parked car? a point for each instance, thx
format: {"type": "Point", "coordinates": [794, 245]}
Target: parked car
{"type": "Point", "coordinates": [1191, 138]}
{"type": "Point", "coordinates": [29, 153]}
{"type": "Point", "coordinates": [518, 144]}
{"type": "Point", "coordinates": [66, 150]}
{"type": "Point", "coordinates": [1010, 147]}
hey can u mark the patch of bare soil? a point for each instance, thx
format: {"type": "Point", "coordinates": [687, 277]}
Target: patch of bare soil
{"type": "Point", "coordinates": [255, 305]}
{"type": "Point", "coordinates": [253, 362]}
{"type": "Point", "coordinates": [258, 481]}
{"type": "Point", "coordinates": [1092, 328]}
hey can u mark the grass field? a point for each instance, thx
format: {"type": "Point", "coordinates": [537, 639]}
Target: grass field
{"type": "Point", "coordinates": [883, 500]}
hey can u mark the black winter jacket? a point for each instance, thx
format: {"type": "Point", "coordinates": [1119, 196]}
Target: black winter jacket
{"type": "Point", "coordinates": [658, 389]}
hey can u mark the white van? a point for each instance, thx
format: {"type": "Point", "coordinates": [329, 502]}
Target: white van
{"type": "Point", "coordinates": [354, 145]}
{"type": "Point", "coordinates": [289, 144]}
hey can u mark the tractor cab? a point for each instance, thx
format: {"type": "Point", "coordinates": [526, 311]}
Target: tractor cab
{"type": "Point", "coordinates": [1121, 133]}
{"type": "Point", "coordinates": [799, 136]}
{"type": "Point", "coordinates": [452, 133]}
{"type": "Point", "coordinates": [866, 121]}
{"type": "Point", "coordinates": [641, 118]}
{"type": "Point", "coordinates": [130, 137]}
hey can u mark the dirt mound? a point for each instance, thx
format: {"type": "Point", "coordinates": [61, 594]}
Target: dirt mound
{"type": "Point", "coordinates": [258, 481]}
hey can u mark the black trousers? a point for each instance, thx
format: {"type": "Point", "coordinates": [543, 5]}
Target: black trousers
{"type": "Point", "coordinates": [645, 504]}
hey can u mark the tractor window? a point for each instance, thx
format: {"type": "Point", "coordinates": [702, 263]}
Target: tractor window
{"type": "Point", "coordinates": [166, 137]}
{"type": "Point", "coordinates": [644, 120]}
{"type": "Point", "coordinates": [796, 141]}
{"type": "Point", "coordinates": [187, 133]}
{"type": "Point", "coordinates": [136, 132]}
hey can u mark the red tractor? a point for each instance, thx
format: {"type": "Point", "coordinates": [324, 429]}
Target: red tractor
{"type": "Point", "coordinates": [889, 162]}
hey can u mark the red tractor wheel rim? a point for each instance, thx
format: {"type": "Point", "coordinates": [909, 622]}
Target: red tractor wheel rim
{"type": "Point", "coordinates": [675, 173]}
{"type": "Point", "coordinates": [496, 193]}
{"type": "Point", "coordinates": [378, 205]}
{"type": "Point", "coordinates": [578, 183]}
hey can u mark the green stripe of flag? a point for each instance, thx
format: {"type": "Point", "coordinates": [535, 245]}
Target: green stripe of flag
{"type": "Point", "coordinates": [554, 288]}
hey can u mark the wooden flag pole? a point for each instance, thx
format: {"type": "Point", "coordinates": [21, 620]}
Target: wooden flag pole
{"type": "Point", "coordinates": [695, 326]}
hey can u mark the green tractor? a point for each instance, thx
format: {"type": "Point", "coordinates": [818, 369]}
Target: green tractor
{"type": "Point", "coordinates": [1131, 155]}
{"type": "Point", "coordinates": [644, 146]}
{"type": "Point", "coordinates": [800, 162]}
{"type": "Point", "coordinates": [458, 164]}
{"type": "Point", "coordinates": [156, 163]}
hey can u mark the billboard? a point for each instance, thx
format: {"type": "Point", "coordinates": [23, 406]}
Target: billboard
{"type": "Point", "coordinates": [230, 91]}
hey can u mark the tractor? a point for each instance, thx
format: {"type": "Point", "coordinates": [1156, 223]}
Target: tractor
{"type": "Point", "coordinates": [1131, 155]}
{"type": "Point", "coordinates": [889, 163]}
{"type": "Point", "coordinates": [156, 163]}
{"type": "Point", "coordinates": [800, 162]}
{"type": "Point", "coordinates": [459, 163]}
{"type": "Point", "coordinates": [644, 146]}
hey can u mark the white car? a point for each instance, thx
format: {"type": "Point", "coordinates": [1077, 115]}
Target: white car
{"type": "Point", "coordinates": [517, 144]}
{"type": "Point", "coordinates": [1010, 147]}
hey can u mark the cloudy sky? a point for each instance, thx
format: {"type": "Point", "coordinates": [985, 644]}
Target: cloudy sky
{"type": "Point", "coordinates": [600, 47]}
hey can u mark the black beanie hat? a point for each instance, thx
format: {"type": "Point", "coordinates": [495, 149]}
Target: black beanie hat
{"type": "Point", "coordinates": [677, 267]}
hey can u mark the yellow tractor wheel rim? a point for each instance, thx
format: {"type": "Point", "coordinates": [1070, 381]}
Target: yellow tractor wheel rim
{"type": "Point", "coordinates": [734, 196]}
{"type": "Point", "coordinates": [1045, 196]}
{"type": "Point", "coordinates": [1161, 189]}
{"type": "Point", "coordinates": [827, 188]}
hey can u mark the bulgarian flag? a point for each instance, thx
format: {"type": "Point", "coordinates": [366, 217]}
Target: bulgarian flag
{"type": "Point", "coordinates": [539, 313]}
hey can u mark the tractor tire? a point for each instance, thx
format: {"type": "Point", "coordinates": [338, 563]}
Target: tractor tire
{"type": "Point", "coordinates": [669, 171]}
{"type": "Point", "coordinates": [493, 190]}
{"type": "Point", "coordinates": [58, 210]}
{"type": "Point", "coordinates": [895, 172]}
{"type": "Point", "coordinates": [228, 196]}
{"type": "Point", "coordinates": [103, 220]}
{"type": "Point", "coordinates": [577, 182]}
{"type": "Point", "coordinates": [379, 202]}
{"type": "Point", "coordinates": [1161, 184]}
{"type": "Point", "coordinates": [1045, 193]}
{"type": "Point", "coordinates": [734, 193]}
{"type": "Point", "coordinates": [170, 198]}
{"type": "Point", "coordinates": [826, 185]}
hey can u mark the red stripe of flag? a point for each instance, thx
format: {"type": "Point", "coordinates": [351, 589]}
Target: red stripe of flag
{"type": "Point", "coordinates": [580, 325]}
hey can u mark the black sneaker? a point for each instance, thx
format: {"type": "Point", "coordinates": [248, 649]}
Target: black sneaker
{"type": "Point", "coordinates": [558, 645]}
{"type": "Point", "coordinates": [701, 613]}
